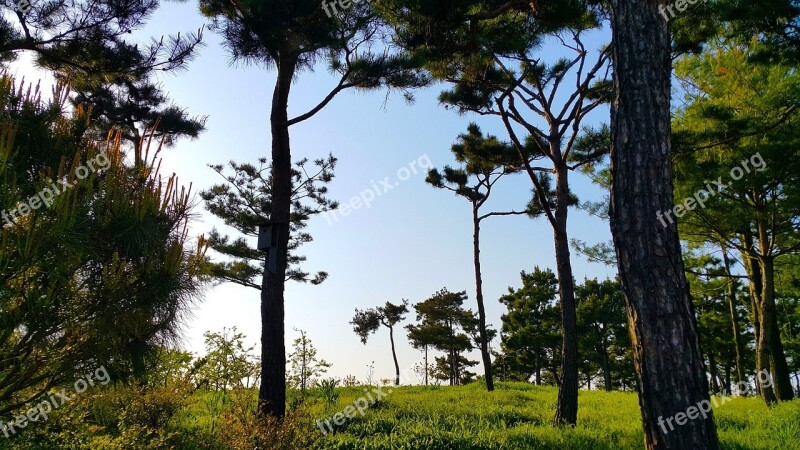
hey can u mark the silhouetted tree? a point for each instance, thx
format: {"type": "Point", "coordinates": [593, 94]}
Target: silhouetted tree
{"type": "Point", "coordinates": [368, 321]}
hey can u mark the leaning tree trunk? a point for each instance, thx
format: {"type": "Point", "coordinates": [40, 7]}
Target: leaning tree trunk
{"type": "Point", "coordinates": [272, 394]}
{"type": "Point", "coordinates": [476, 252]}
{"type": "Point", "coordinates": [667, 354]}
{"type": "Point", "coordinates": [567, 408]}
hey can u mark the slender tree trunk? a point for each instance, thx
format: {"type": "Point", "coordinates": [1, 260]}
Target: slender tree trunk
{"type": "Point", "coordinates": [737, 338]}
{"type": "Point", "coordinates": [453, 368]}
{"type": "Point", "coordinates": [426, 365]}
{"type": "Point", "coordinates": [272, 394]}
{"type": "Point", "coordinates": [753, 268]}
{"type": "Point", "coordinates": [538, 371]}
{"type": "Point", "coordinates": [476, 253]}
{"type": "Point", "coordinates": [727, 378]}
{"type": "Point", "coordinates": [567, 408]}
{"type": "Point", "coordinates": [712, 367]}
{"type": "Point", "coordinates": [667, 354]}
{"type": "Point", "coordinates": [394, 356]}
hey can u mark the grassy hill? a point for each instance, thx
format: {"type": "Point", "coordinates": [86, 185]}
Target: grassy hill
{"type": "Point", "coordinates": [515, 416]}
{"type": "Point", "coordinates": [519, 415]}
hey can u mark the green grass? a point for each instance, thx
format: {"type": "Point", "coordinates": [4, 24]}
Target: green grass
{"type": "Point", "coordinates": [519, 416]}
{"type": "Point", "coordinates": [515, 416]}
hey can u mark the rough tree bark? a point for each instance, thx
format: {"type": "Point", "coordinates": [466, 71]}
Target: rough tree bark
{"type": "Point", "coordinates": [567, 408]}
{"type": "Point", "coordinates": [667, 354]}
{"type": "Point", "coordinates": [272, 393]}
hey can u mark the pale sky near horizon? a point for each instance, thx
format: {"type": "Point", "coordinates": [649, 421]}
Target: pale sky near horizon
{"type": "Point", "coordinates": [411, 242]}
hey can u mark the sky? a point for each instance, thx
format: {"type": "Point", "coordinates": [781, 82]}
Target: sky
{"type": "Point", "coordinates": [411, 242]}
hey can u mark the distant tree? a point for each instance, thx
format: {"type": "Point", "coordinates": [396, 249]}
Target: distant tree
{"type": "Point", "coordinates": [709, 284]}
{"type": "Point", "coordinates": [530, 335]}
{"type": "Point", "coordinates": [444, 368]}
{"type": "Point", "coordinates": [227, 361]}
{"type": "Point", "coordinates": [485, 160]}
{"type": "Point", "coordinates": [368, 321]}
{"type": "Point", "coordinates": [446, 326]}
{"type": "Point", "coordinates": [169, 367]}
{"type": "Point", "coordinates": [304, 367]}
{"type": "Point", "coordinates": [245, 201]}
{"type": "Point", "coordinates": [490, 54]}
{"type": "Point", "coordinates": [292, 37]}
{"type": "Point", "coordinates": [603, 327]}
{"type": "Point", "coordinates": [757, 212]}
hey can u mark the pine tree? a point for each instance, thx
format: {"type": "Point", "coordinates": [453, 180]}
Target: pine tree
{"type": "Point", "coordinates": [485, 160]}
{"type": "Point", "coordinates": [669, 362]}
{"type": "Point", "coordinates": [292, 37]}
{"type": "Point", "coordinates": [368, 321]}
{"type": "Point", "coordinates": [446, 326]}
{"type": "Point", "coordinates": [244, 202]}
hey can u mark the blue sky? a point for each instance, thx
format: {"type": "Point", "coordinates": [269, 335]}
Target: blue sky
{"type": "Point", "coordinates": [411, 242]}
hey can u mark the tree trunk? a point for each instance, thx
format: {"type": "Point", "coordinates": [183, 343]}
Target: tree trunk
{"type": "Point", "coordinates": [737, 338]}
{"type": "Point", "coordinates": [728, 378]}
{"type": "Point", "coordinates": [476, 252]}
{"type": "Point", "coordinates": [771, 340]}
{"type": "Point", "coordinates": [606, 371]}
{"type": "Point", "coordinates": [272, 394]}
{"type": "Point", "coordinates": [764, 347]}
{"type": "Point", "coordinates": [782, 375]}
{"type": "Point", "coordinates": [667, 353]}
{"type": "Point", "coordinates": [538, 371]}
{"type": "Point", "coordinates": [567, 409]}
{"type": "Point", "coordinates": [394, 356]}
{"type": "Point", "coordinates": [712, 367]}
{"type": "Point", "coordinates": [426, 365]}
{"type": "Point", "coordinates": [753, 268]}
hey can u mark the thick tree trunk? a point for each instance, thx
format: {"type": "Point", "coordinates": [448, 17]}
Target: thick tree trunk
{"type": "Point", "coordinates": [667, 354]}
{"type": "Point", "coordinates": [771, 348]}
{"type": "Point", "coordinates": [764, 344]}
{"type": "Point", "coordinates": [567, 408]}
{"type": "Point", "coordinates": [737, 338]}
{"type": "Point", "coordinates": [476, 253]}
{"type": "Point", "coordinates": [272, 394]}
{"type": "Point", "coordinates": [394, 356]}
{"type": "Point", "coordinates": [782, 375]}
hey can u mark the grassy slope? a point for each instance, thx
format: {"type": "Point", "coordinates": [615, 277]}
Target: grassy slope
{"type": "Point", "coordinates": [518, 416]}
